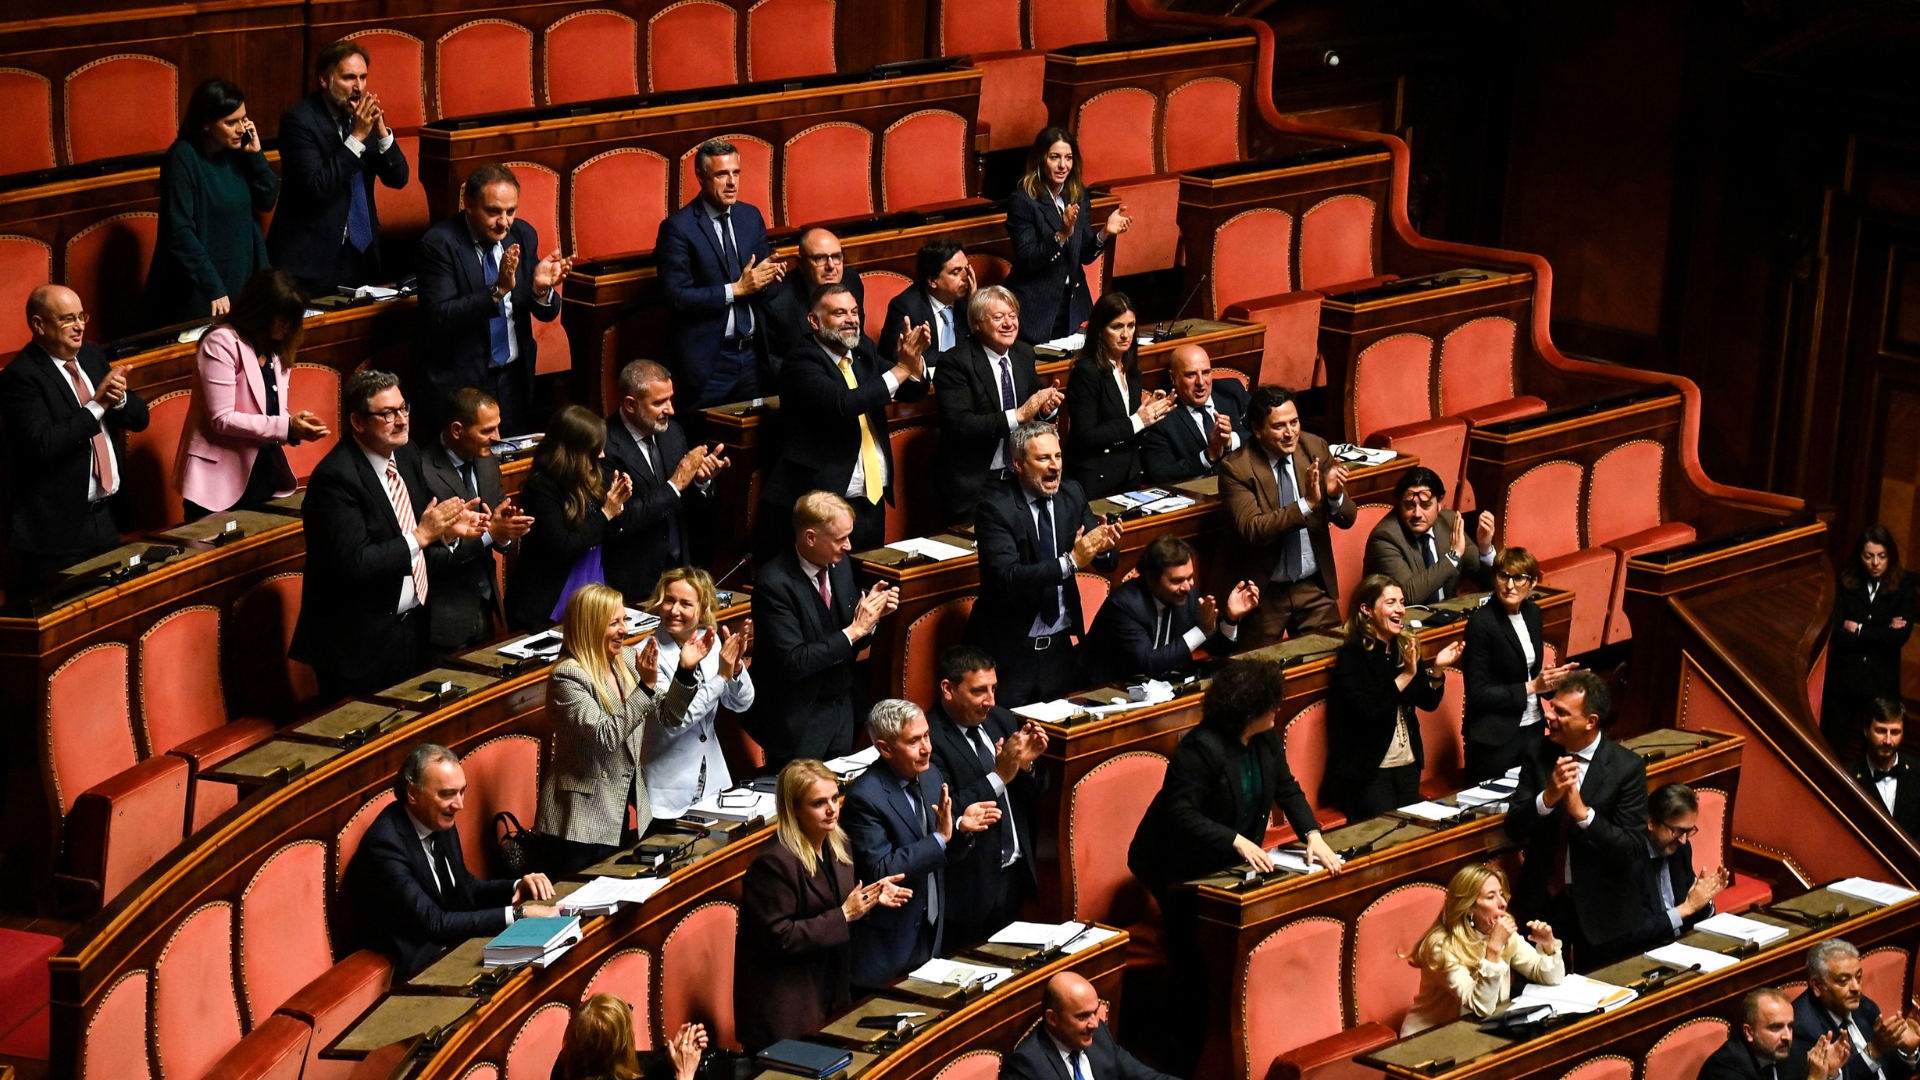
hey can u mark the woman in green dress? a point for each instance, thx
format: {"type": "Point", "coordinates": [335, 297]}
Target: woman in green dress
{"type": "Point", "coordinates": [214, 179]}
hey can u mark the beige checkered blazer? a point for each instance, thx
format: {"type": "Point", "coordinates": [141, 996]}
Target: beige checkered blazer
{"type": "Point", "coordinates": [596, 770]}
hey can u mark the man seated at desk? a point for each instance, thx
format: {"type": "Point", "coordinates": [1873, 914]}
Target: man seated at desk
{"type": "Point", "coordinates": [1072, 1041]}
{"type": "Point", "coordinates": [1885, 1046]}
{"type": "Point", "coordinates": [1209, 422]}
{"type": "Point", "coordinates": [937, 298]}
{"type": "Point", "coordinates": [1153, 623]}
{"type": "Point", "coordinates": [412, 892]}
{"type": "Point", "coordinates": [1888, 775]}
{"type": "Point", "coordinates": [1762, 1046]}
{"type": "Point", "coordinates": [1425, 549]}
{"type": "Point", "coordinates": [1672, 897]}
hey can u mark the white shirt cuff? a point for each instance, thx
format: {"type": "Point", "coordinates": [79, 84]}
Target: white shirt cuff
{"type": "Point", "coordinates": [1302, 504]}
{"type": "Point", "coordinates": [509, 914]}
{"type": "Point", "coordinates": [413, 544]}
{"type": "Point", "coordinates": [354, 144]}
{"type": "Point", "coordinates": [848, 630]}
{"type": "Point", "coordinates": [1138, 424]}
{"type": "Point", "coordinates": [486, 539]}
{"type": "Point", "coordinates": [96, 410]}
{"type": "Point", "coordinates": [893, 382]}
{"type": "Point", "coordinates": [1588, 820]}
{"type": "Point", "coordinates": [1540, 805]}
{"type": "Point", "coordinates": [1194, 637]}
{"type": "Point", "coordinates": [1230, 631]}
{"type": "Point", "coordinates": [1066, 565]}
{"type": "Point", "coordinates": [1486, 557]}
{"type": "Point", "coordinates": [1233, 442]}
{"type": "Point", "coordinates": [999, 785]}
{"type": "Point", "coordinates": [1013, 420]}
{"type": "Point", "coordinates": [729, 290]}
{"type": "Point", "coordinates": [386, 142]}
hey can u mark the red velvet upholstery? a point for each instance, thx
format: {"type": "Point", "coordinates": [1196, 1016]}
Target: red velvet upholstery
{"type": "Point", "coordinates": [1659, 538]}
{"type": "Point", "coordinates": [1202, 125]}
{"type": "Point", "coordinates": [618, 200]}
{"type": "Point", "coordinates": [1817, 682]}
{"type": "Point", "coordinates": [1624, 495]}
{"type": "Point", "coordinates": [1012, 111]}
{"type": "Point", "coordinates": [356, 827]}
{"type": "Point", "coordinates": [1336, 241]}
{"type": "Point", "coordinates": [991, 269]}
{"type": "Point", "coordinates": [1680, 1052]}
{"type": "Point", "coordinates": [1445, 742]}
{"type": "Point", "coordinates": [1251, 279]}
{"type": "Point", "coordinates": [126, 823]}
{"type": "Point", "coordinates": [106, 263]}
{"type": "Point", "coordinates": [1542, 511]}
{"type": "Point", "coordinates": [589, 55]}
{"type": "Point", "coordinates": [540, 208]}
{"type": "Point", "coordinates": [1292, 322]}
{"type": "Point", "coordinates": [823, 173]}
{"type": "Point", "coordinates": [1440, 444]}
{"type": "Point", "coordinates": [1103, 811]}
{"type": "Point", "coordinates": [314, 388]}
{"type": "Point", "coordinates": [183, 709]}
{"type": "Point", "coordinates": [283, 928]}
{"type": "Point", "coordinates": [196, 1019]}
{"type": "Point", "coordinates": [1883, 974]}
{"type": "Point", "coordinates": [277, 1050]}
{"type": "Point", "coordinates": [1331, 1058]}
{"type": "Point", "coordinates": [972, 1065]}
{"type": "Point", "coordinates": [25, 985]}
{"type": "Point", "coordinates": [26, 100]}
{"type": "Point", "coordinates": [696, 973]}
{"type": "Point", "coordinates": [482, 1071]}
{"type": "Point", "coordinates": [683, 46]}
{"type": "Point", "coordinates": [262, 629]}
{"type": "Point", "coordinates": [1476, 373]}
{"type": "Point", "coordinates": [502, 774]}
{"type": "Point", "coordinates": [928, 636]}
{"type": "Point", "coordinates": [1094, 589]}
{"type": "Point", "coordinates": [1384, 982]}
{"type": "Point", "coordinates": [403, 213]}
{"type": "Point", "coordinates": [333, 1001]}
{"type": "Point", "coordinates": [1589, 574]}
{"type": "Point", "coordinates": [30, 1038]}
{"type": "Point", "coordinates": [1794, 989]}
{"type": "Point", "coordinates": [399, 59]}
{"type": "Point", "coordinates": [756, 172]}
{"type": "Point", "coordinates": [1115, 129]}
{"type": "Point", "coordinates": [625, 975]}
{"type": "Point", "coordinates": [113, 1045]}
{"type": "Point", "coordinates": [25, 265]}
{"type": "Point", "coordinates": [976, 26]}
{"type": "Point", "coordinates": [1153, 242]}
{"type": "Point", "coordinates": [121, 104]}
{"type": "Point", "coordinates": [788, 39]}
{"type": "Point", "coordinates": [148, 463]}
{"type": "Point", "coordinates": [923, 160]}
{"type": "Point", "coordinates": [1710, 850]}
{"type": "Point", "coordinates": [915, 510]}
{"type": "Point", "coordinates": [1292, 987]}
{"type": "Point", "coordinates": [1350, 549]}
{"type": "Point", "coordinates": [1305, 741]}
{"type": "Point", "coordinates": [483, 66]}
{"type": "Point", "coordinates": [1608, 1067]}
{"type": "Point", "coordinates": [881, 287]}
{"type": "Point", "coordinates": [89, 722]}
{"type": "Point", "coordinates": [1054, 23]}
{"type": "Point", "coordinates": [537, 1043]}
{"type": "Point", "coordinates": [1392, 379]}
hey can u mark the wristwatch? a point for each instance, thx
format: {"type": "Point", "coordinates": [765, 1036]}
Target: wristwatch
{"type": "Point", "coordinates": [520, 910]}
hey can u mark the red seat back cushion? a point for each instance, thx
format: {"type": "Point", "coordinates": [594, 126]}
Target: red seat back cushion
{"type": "Point", "coordinates": [1202, 126]}
{"type": "Point", "coordinates": [539, 202]}
{"type": "Point", "coordinates": [114, 1046]}
{"type": "Point", "coordinates": [824, 173]}
{"type": "Point", "coordinates": [923, 160]}
{"type": "Point", "coordinates": [403, 211]}
{"type": "Point", "coordinates": [1710, 845]}
{"type": "Point", "coordinates": [1444, 740]}
{"type": "Point", "coordinates": [25, 265]}
{"type": "Point", "coordinates": [788, 39]}
{"type": "Point", "coordinates": [1093, 593]}
{"type": "Point", "coordinates": [1883, 974]}
{"type": "Point", "coordinates": [1336, 241]}
{"type": "Point", "coordinates": [398, 61]}
{"type": "Point", "coordinates": [625, 976]}
{"type": "Point", "coordinates": [881, 287]}
{"type": "Point", "coordinates": [619, 200]}
{"type": "Point", "coordinates": [1068, 22]}
{"type": "Point", "coordinates": [1105, 811]}
{"type": "Point", "coordinates": [484, 66]}
{"type": "Point", "coordinates": [1293, 989]}
{"type": "Point", "coordinates": [1391, 379]}
{"type": "Point", "coordinates": [195, 1017]}
{"type": "Point", "coordinates": [928, 637]}
{"type": "Point", "coordinates": [591, 55]}
{"type": "Point", "coordinates": [355, 828]}
{"type": "Point", "coordinates": [1542, 513]}
{"type": "Point", "coordinates": [1011, 104]}
{"type": "Point", "coordinates": [976, 26]}
{"type": "Point", "coordinates": [1153, 240]}
{"type": "Point", "coordinates": [1306, 747]}
{"type": "Point", "coordinates": [690, 44]}
{"type": "Point", "coordinates": [180, 693]}
{"type": "Point", "coordinates": [262, 631]}
{"type": "Point", "coordinates": [1680, 1052]}
{"type": "Point", "coordinates": [1589, 575]}
{"type": "Point", "coordinates": [1384, 982]}
{"type": "Point", "coordinates": [990, 269]}
{"type": "Point", "coordinates": [1115, 130]}
{"type": "Point", "coordinates": [107, 265]}
{"type": "Point", "coordinates": [1611, 1067]}
{"type": "Point", "coordinates": [756, 173]}
{"type": "Point", "coordinates": [149, 459]}
{"type": "Point", "coordinates": [972, 1065]}
{"type": "Point", "coordinates": [90, 727]}
{"type": "Point", "coordinates": [537, 1043]}
{"type": "Point", "coordinates": [1350, 550]}
{"type": "Point", "coordinates": [1249, 258]}
{"type": "Point", "coordinates": [503, 774]}
{"type": "Point", "coordinates": [26, 100]}
{"type": "Point", "coordinates": [915, 510]}
{"type": "Point", "coordinates": [696, 973]}
{"type": "Point", "coordinates": [283, 927]}
{"type": "Point", "coordinates": [1625, 495]}
{"type": "Point", "coordinates": [1476, 364]}
{"type": "Point", "coordinates": [124, 104]}
{"type": "Point", "coordinates": [313, 388]}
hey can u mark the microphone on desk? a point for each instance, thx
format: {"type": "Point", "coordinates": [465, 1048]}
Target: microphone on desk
{"type": "Point", "coordinates": [1161, 331]}
{"type": "Point", "coordinates": [736, 569]}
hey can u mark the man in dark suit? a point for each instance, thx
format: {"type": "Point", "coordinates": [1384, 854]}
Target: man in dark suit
{"type": "Point", "coordinates": [810, 622]}
{"type": "Point", "coordinates": [1071, 1041]}
{"type": "Point", "coordinates": [1208, 423]}
{"type": "Point", "coordinates": [333, 145]}
{"type": "Point", "coordinates": [1425, 549]}
{"type": "Point", "coordinates": [899, 820]}
{"type": "Point", "coordinates": [1283, 492]}
{"type": "Point", "coordinates": [836, 389]}
{"type": "Point", "coordinates": [1672, 897]}
{"type": "Point", "coordinates": [1033, 537]}
{"type": "Point", "coordinates": [670, 483]}
{"type": "Point", "coordinates": [1886, 1046]}
{"type": "Point", "coordinates": [820, 262]}
{"type": "Point", "coordinates": [1889, 776]}
{"type": "Point", "coordinates": [716, 265]}
{"type": "Point", "coordinates": [943, 280]}
{"type": "Point", "coordinates": [374, 537]}
{"type": "Point", "coordinates": [67, 414]}
{"type": "Point", "coordinates": [465, 587]}
{"type": "Point", "coordinates": [1762, 1047]}
{"type": "Point", "coordinates": [482, 283]}
{"type": "Point", "coordinates": [987, 386]}
{"type": "Point", "coordinates": [412, 892]}
{"type": "Point", "coordinates": [987, 754]}
{"type": "Point", "coordinates": [1579, 815]}
{"type": "Point", "coordinates": [1152, 624]}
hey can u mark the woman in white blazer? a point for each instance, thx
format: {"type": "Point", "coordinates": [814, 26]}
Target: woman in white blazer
{"type": "Point", "coordinates": [684, 764]}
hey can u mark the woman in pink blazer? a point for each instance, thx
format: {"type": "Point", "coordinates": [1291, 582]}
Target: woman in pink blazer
{"type": "Point", "coordinates": [231, 454]}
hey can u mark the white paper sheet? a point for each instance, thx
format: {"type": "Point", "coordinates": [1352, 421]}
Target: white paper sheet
{"type": "Point", "coordinates": [1047, 712]}
{"type": "Point", "coordinates": [1575, 994]}
{"type": "Point", "coordinates": [1874, 892]}
{"type": "Point", "coordinates": [1481, 796]}
{"type": "Point", "coordinates": [1742, 929]}
{"type": "Point", "coordinates": [603, 895]}
{"type": "Point", "coordinates": [1371, 455]}
{"type": "Point", "coordinates": [1088, 940]}
{"type": "Point", "coordinates": [1427, 810]}
{"type": "Point", "coordinates": [1038, 935]}
{"type": "Point", "coordinates": [738, 804]}
{"type": "Point", "coordinates": [855, 763]}
{"type": "Point", "coordinates": [932, 549]}
{"type": "Point", "coordinates": [1685, 956]}
{"type": "Point", "coordinates": [641, 622]}
{"type": "Point", "coordinates": [954, 973]}
{"type": "Point", "coordinates": [545, 645]}
{"type": "Point", "coordinates": [1294, 860]}
{"type": "Point", "coordinates": [1070, 343]}
{"type": "Point", "coordinates": [1168, 505]}
{"type": "Point", "coordinates": [1139, 498]}
{"type": "Point", "coordinates": [377, 292]}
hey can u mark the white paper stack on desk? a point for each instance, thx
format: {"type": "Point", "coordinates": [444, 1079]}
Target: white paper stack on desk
{"type": "Point", "coordinates": [605, 895]}
{"type": "Point", "coordinates": [538, 941]}
{"type": "Point", "coordinates": [1576, 994]}
{"type": "Point", "coordinates": [1068, 937]}
{"type": "Point", "coordinates": [1874, 892]}
{"type": "Point", "coordinates": [1742, 929]}
{"type": "Point", "coordinates": [954, 973]}
{"type": "Point", "coordinates": [932, 549]}
{"type": "Point", "coordinates": [736, 804]}
{"type": "Point", "coordinates": [851, 766]}
{"type": "Point", "coordinates": [1686, 956]}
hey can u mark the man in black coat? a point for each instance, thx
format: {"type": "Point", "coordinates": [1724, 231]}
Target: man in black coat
{"type": "Point", "coordinates": [1579, 814]}
{"type": "Point", "coordinates": [1672, 897]}
{"type": "Point", "coordinates": [943, 280]}
{"type": "Point", "coordinates": [412, 892]}
{"type": "Point", "coordinates": [1209, 422]}
{"type": "Point", "coordinates": [821, 262]}
{"type": "Point", "coordinates": [809, 622]}
{"type": "Point", "coordinates": [67, 414]}
{"type": "Point", "coordinates": [482, 283]}
{"type": "Point", "coordinates": [374, 538]}
{"type": "Point", "coordinates": [1890, 777]}
{"type": "Point", "coordinates": [1152, 624]}
{"type": "Point", "coordinates": [1072, 1042]}
{"type": "Point", "coordinates": [333, 145]}
{"type": "Point", "coordinates": [837, 416]}
{"type": "Point", "coordinates": [987, 386]}
{"type": "Point", "coordinates": [1033, 536]}
{"type": "Point", "coordinates": [1762, 1046]}
{"type": "Point", "coordinates": [464, 594]}
{"type": "Point", "coordinates": [1835, 1008]}
{"type": "Point", "coordinates": [987, 755]}
{"type": "Point", "coordinates": [670, 483]}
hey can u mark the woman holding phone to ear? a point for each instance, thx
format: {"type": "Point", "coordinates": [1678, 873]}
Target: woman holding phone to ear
{"type": "Point", "coordinates": [213, 181]}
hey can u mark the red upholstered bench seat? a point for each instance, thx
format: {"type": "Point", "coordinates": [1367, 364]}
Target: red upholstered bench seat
{"type": "Point", "coordinates": [1331, 1058]}
{"type": "Point", "coordinates": [23, 992]}
{"type": "Point", "coordinates": [1744, 892]}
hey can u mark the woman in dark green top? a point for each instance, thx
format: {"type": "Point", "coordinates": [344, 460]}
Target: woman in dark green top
{"type": "Point", "coordinates": [213, 181]}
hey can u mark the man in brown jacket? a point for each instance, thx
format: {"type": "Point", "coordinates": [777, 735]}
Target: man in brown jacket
{"type": "Point", "coordinates": [1283, 490]}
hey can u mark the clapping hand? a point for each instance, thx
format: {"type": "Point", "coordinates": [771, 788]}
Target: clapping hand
{"type": "Point", "coordinates": [435, 521]}
{"type": "Point", "coordinates": [1117, 222]}
{"type": "Point", "coordinates": [305, 427]}
{"type": "Point", "coordinates": [758, 275]}
{"type": "Point", "coordinates": [1241, 602]}
{"type": "Point", "coordinates": [696, 649]}
{"type": "Point", "coordinates": [733, 649]}
{"type": "Point", "coordinates": [618, 493]}
{"type": "Point", "coordinates": [1069, 217]}
{"type": "Point", "coordinates": [1705, 887]}
{"type": "Point", "coordinates": [1483, 532]}
{"type": "Point", "coordinates": [910, 356]}
{"type": "Point", "coordinates": [1153, 407]}
{"type": "Point", "coordinates": [877, 601]}
{"type": "Point", "coordinates": [1088, 546]}
{"type": "Point", "coordinates": [1221, 440]}
{"type": "Point", "coordinates": [646, 660]}
{"type": "Point", "coordinates": [551, 271]}
{"type": "Point", "coordinates": [509, 270]}
{"type": "Point", "coordinates": [1827, 1057]}
{"type": "Point", "coordinates": [685, 1048]}
{"type": "Point", "coordinates": [505, 523]}
{"type": "Point", "coordinates": [1450, 655]}
{"type": "Point", "coordinates": [711, 463]}
{"type": "Point", "coordinates": [113, 389]}
{"type": "Point", "coordinates": [1550, 678]}
{"type": "Point", "coordinates": [1019, 750]}
{"type": "Point", "coordinates": [1335, 480]}
{"type": "Point", "coordinates": [885, 893]}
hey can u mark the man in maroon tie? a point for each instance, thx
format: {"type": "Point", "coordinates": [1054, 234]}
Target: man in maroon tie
{"type": "Point", "coordinates": [66, 413]}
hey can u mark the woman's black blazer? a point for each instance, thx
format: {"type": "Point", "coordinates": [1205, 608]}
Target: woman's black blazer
{"type": "Point", "coordinates": [1366, 703]}
{"type": "Point", "coordinates": [1867, 664]}
{"type": "Point", "coordinates": [549, 550]}
{"type": "Point", "coordinates": [1047, 274]}
{"type": "Point", "coordinates": [1498, 672]}
{"type": "Point", "coordinates": [1189, 828]}
{"type": "Point", "coordinates": [1103, 450]}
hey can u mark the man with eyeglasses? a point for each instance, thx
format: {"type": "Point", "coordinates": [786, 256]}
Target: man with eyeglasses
{"type": "Point", "coordinates": [67, 414]}
{"type": "Point", "coordinates": [1425, 549]}
{"type": "Point", "coordinates": [1672, 897]}
{"type": "Point", "coordinates": [821, 262]}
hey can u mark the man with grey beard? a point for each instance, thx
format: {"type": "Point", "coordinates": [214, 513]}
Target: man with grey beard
{"type": "Point", "coordinates": [834, 393]}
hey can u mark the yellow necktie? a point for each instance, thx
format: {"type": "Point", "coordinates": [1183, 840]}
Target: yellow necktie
{"type": "Point", "coordinates": [869, 450]}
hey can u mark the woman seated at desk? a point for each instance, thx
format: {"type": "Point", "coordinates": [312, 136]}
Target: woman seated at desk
{"type": "Point", "coordinates": [1467, 958]}
{"type": "Point", "coordinates": [1373, 737]}
{"type": "Point", "coordinates": [598, 1045]}
{"type": "Point", "coordinates": [1108, 404]}
{"type": "Point", "coordinates": [684, 763]}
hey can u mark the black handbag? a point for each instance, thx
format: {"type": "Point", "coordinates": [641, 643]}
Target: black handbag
{"type": "Point", "coordinates": [522, 851]}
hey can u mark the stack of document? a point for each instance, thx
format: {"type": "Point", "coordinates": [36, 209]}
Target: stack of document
{"type": "Point", "coordinates": [1293, 860]}
{"type": "Point", "coordinates": [537, 941]}
{"type": "Point", "coordinates": [954, 973]}
{"type": "Point", "coordinates": [1874, 892]}
{"type": "Point", "coordinates": [605, 895]}
{"type": "Point", "coordinates": [1575, 995]}
{"type": "Point", "coordinates": [1048, 712]}
{"type": "Point", "coordinates": [1070, 343]}
{"type": "Point", "coordinates": [376, 292]}
{"type": "Point", "coordinates": [545, 645]}
{"type": "Point", "coordinates": [1427, 810]}
{"type": "Point", "coordinates": [1741, 929]}
{"type": "Point", "coordinates": [1143, 497]}
{"type": "Point", "coordinates": [932, 549]}
{"type": "Point", "coordinates": [641, 622]}
{"type": "Point", "coordinates": [1068, 937]}
{"type": "Point", "coordinates": [736, 804]}
{"type": "Point", "coordinates": [1361, 454]}
{"type": "Point", "coordinates": [851, 766]}
{"type": "Point", "coordinates": [1686, 956]}
{"type": "Point", "coordinates": [1485, 795]}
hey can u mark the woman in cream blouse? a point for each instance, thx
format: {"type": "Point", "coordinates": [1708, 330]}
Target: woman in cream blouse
{"type": "Point", "coordinates": [1468, 957]}
{"type": "Point", "coordinates": [684, 763]}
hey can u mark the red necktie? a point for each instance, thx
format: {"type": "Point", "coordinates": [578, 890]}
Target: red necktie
{"type": "Point", "coordinates": [102, 449]}
{"type": "Point", "coordinates": [403, 510]}
{"type": "Point", "coordinates": [825, 596]}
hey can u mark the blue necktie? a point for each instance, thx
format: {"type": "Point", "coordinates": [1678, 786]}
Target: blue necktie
{"type": "Point", "coordinates": [497, 327]}
{"type": "Point", "coordinates": [946, 329]}
{"type": "Point", "coordinates": [359, 222]}
{"type": "Point", "coordinates": [1049, 551]}
{"type": "Point", "coordinates": [1006, 399]}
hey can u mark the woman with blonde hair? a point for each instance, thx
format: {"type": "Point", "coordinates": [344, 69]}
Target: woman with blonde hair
{"type": "Point", "coordinates": [684, 763]}
{"type": "Point", "coordinates": [792, 961]}
{"type": "Point", "coordinates": [1467, 958]}
{"type": "Point", "coordinates": [599, 1043]}
{"type": "Point", "coordinates": [599, 697]}
{"type": "Point", "coordinates": [1374, 752]}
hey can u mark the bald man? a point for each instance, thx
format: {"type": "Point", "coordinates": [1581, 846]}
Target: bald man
{"type": "Point", "coordinates": [820, 262]}
{"type": "Point", "coordinates": [1209, 422]}
{"type": "Point", "coordinates": [66, 413]}
{"type": "Point", "coordinates": [1072, 1041]}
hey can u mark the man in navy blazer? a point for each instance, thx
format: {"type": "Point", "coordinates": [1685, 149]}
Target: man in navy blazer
{"type": "Point", "coordinates": [1762, 1046]}
{"type": "Point", "coordinates": [670, 482]}
{"type": "Point", "coordinates": [1152, 624]}
{"type": "Point", "coordinates": [1072, 1042]}
{"type": "Point", "coordinates": [1672, 897]}
{"type": "Point", "coordinates": [899, 818]}
{"type": "Point", "coordinates": [1208, 423]}
{"type": "Point", "coordinates": [482, 283]}
{"type": "Point", "coordinates": [821, 261]}
{"type": "Point", "coordinates": [412, 892]}
{"type": "Point", "coordinates": [716, 266]}
{"type": "Point", "coordinates": [1835, 1004]}
{"type": "Point", "coordinates": [943, 281]}
{"type": "Point", "coordinates": [334, 143]}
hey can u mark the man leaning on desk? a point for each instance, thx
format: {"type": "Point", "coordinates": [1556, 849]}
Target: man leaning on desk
{"type": "Point", "coordinates": [1153, 623]}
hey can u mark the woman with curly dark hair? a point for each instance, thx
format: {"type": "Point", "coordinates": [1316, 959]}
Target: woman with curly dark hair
{"type": "Point", "coordinates": [1872, 619]}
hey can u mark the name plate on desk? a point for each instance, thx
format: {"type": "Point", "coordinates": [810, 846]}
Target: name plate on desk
{"type": "Point", "coordinates": [410, 691]}
{"type": "Point", "coordinates": [354, 723]}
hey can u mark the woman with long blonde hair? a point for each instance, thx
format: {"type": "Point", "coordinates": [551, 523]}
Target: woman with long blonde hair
{"type": "Point", "coordinates": [599, 1045]}
{"type": "Point", "coordinates": [684, 763]}
{"type": "Point", "coordinates": [1467, 958]}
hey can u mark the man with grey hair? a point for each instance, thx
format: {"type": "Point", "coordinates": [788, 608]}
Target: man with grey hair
{"type": "Point", "coordinates": [986, 386]}
{"type": "Point", "coordinates": [1762, 1046]}
{"type": "Point", "coordinates": [412, 892]}
{"type": "Point", "coordinates": [670, 482]}
{"type": "Point", "coordinates": [1033, 536]}
{"type": "Point", "coordinates": [899, 817]}
{"type": "Point", "coordinates": [1884, 1046]}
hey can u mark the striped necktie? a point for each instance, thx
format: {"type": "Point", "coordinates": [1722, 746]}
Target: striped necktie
{"type": "Point", "coordinates": [403, 512]}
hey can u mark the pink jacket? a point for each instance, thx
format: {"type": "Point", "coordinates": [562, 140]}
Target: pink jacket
{"type": "Point", "coordinates": [227, 424]}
